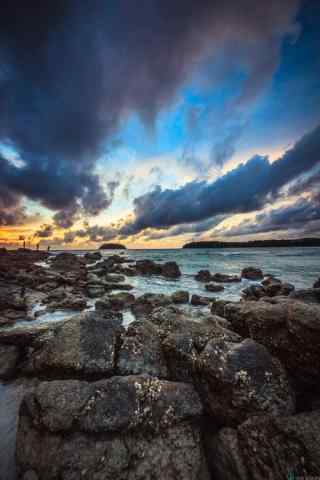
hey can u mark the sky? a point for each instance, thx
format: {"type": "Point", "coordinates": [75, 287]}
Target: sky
{"type": "Point", "coordinates": [155, 123]}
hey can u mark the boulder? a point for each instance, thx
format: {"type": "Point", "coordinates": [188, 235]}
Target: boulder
{"type": "Point", "coordinates": [171, 320]}
{"type": "Point", "coordinates": [270, 287]}
{"type": "Point", "coordinates": [308, 295]}
{"type": "Point", "coordinates": [288, 328]}
{"type": "Point", "coordinates": [225, 278]}
{"type": "Point", "coordinates": [85, 346]}
{"type": "Point", "coordinates": [252, 273]}
{"type": "Point", "coordinates": [117, 301]}
{"type": "Point", "coordinates": [213, 287]}
{"type": "Point", "coordinates": [180, 296]}
{"type": "Point", "coordinates": [148, 302]}
{"type": "Point", "coordinates": [67, 262]}
{"type": "Point", "coordinates": [65, 298]}
{"type": "Point", "coordinates": [95, 291]}
{"type": "Point", "coordinates": [170, 270]}
{"type": "Point", "coordinates": [199, 301]}
{"type": "Point", "coordinates": [126, 427]}
{"type": "Point", "coordinates": [141, 351]}
{"type": "Point", "coordinates": [203, 276]}
{"type": "Point", "coordinates": [253, 292]}
{"type": "Point", "coordinates": [184, 343]}
{"type": "Point", "coordinates": [114, 278]}
{"type": "Point", "coordinates": [240, 380]}
{"type": "Point", "coordinates": [267, 447]}
{"type": "Point", "coordinates": [91, 257]}
{"type": "Point", "coordinates": [148, 267]}
{"type": "Point", "coordinates": [317, 283]}
{"type": "Point", "coordinates": [9, 357]}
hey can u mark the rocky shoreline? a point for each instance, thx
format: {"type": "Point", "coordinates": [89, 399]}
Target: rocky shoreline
{"type": "Point", "coordinates": [190, 388]}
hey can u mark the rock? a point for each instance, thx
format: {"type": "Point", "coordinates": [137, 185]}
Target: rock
{"type": "Point", "coordinates": [253, 292]}
{"type": "Point", "coordinates": [63, 298]}
{"type": "Point", "coordinates": [240, 380]}
{"type": "Point", "coordinates": [269, 280]}
{"type": "Point", "coordinates": [213, 287]}
{"type": "Point", "coordinates": [117, 301]}
{"type": "Point", "coordinates": [67, 261]}
{"type": "Point", "coordinates": [95, 291]}
{"type": "Point", "coordinates": [22, 336]}
{"type": "Point", "coordinates": [289, 329]}
{"type": "Point", "coordinates": [203, 276]}
{"type": "Point", "coordinates": [170, 320]}
{"type": "Point", "coordinates": [126, 427]}
{"type": "Point", "coordinates": [266, 447]}
{"type": "Point", "coordinates": [310, 295]}
{"type": "Point", "coordinates": [148, 267]}
{"type": "Point", "coordinates": [83, 346]}
{"type": "Point", "coordinates": [180, 296]}
{"type": "Point", "coordinates": [114, 278]}
{"type": "Point", "coordinates": [170, 270]}
{"type": "Point", "coordinates": [141, 351]}
{"type": "Point", "coordinates": [93, 279]}
{"type": "Point", "coordinates": [224, 278]}
{"type": "Point", "coordinates": [185, 342]}
{"type": "Point", "coordinates": [317, 283]}
{"type": "Point", "coordinates": [30, 475]}
{"type": "Point", "coordinates": [197, 300]}
{"type": "Point", "coordinates": [270, 287]}
{"type": "Point", "coordinates": [118, 286]}
{"type": "Point", "coordinates": [148, 302]}
{"type": "Point", "coordinates": [93, 257]}
{"type": "Point", "coordinates": [12, 298]}
{"type": "Point", "coordinates": [252, 273]}
{"type": "Point", "coordinates": [286, 289]}
{"type": "Point", "coordinates": [9, 357]}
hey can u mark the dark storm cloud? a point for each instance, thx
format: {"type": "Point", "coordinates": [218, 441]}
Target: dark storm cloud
{"type": "Point", "coordinates": [94, 233]}
{"type": "Point", "coordinates": [246, 188]}
{"type": "Point", "coordinates": [71, 71]}
{"type": "Point", "coordinates": [45, 231]}
{"type": "Point", "coordinates": [308, 183]}
{"type": "Point", "coordinates": [195, 228]}
{"type": "Point", "coordinates": [300, 215]}
{"type": "Point", "coordinates": [15, 216]}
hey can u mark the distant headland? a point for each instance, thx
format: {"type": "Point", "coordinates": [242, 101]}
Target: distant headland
{"type": "Point", "coordinates": [112, 246]}
{"type": "Point", "coordinates": [298, 242]}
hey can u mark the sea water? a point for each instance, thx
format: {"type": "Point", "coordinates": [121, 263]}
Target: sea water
{"type": "Point", "coordinates": [300, 266]}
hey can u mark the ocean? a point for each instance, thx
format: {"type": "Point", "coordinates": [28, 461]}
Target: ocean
{"type": "Point", "coordinates": [300, 266]}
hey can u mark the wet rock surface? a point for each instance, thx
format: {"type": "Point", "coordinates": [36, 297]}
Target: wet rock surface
{"type": "Point", "coordinates": [158, 386]}
{"type": "Point", "coordinates": [126, 427]}
{"type": "Point", "coordinates": [268, 447]}
{"type": "Point", "coordinates": [288, 328]}
{"type": "Point", "coordinates": [83, 346]}
{"type": "Point", "coordinates": [252, 273]}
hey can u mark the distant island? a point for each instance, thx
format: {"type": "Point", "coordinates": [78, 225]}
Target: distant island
{"type": "Point", "coordinates": [112, 246]}
{"type": "Point", "coordinates": [298, 242]}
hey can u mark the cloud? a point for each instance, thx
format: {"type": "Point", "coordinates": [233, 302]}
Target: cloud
{"type": "Point", "coordinates": [244, 189]}
{"type": "Point", "coordinates": [195, 228]}
{"type": "Point", "coordinates": [300, 215]}
{"type": "Point", "coordinates": [45, 231]}
{"type": "Point", "coordinates": [72, 72]}
{"type": "Point", "coordinates": [16, 216]}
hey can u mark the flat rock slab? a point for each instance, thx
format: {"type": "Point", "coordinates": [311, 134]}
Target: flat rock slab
{"type": "Point", "coordinates": [134, 427]}
{"type": "Point", "coordinates": [83, 346]}
{"type": "Point", "coordinates": [268, 448]}
{"type": "Point", "coordinates": [288, 328]}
